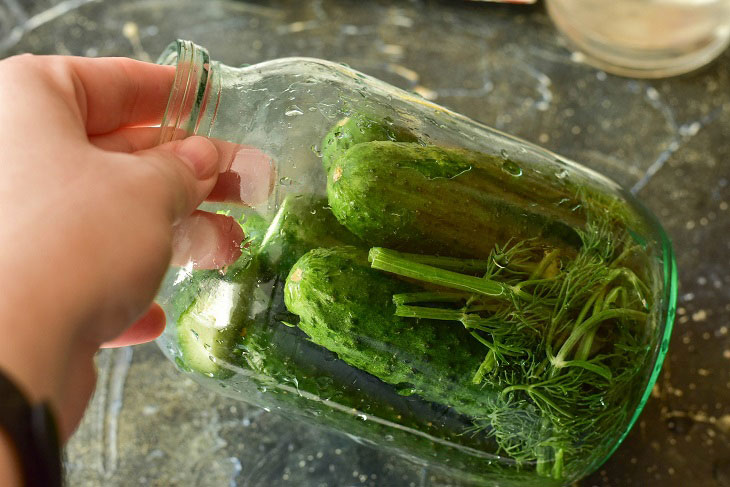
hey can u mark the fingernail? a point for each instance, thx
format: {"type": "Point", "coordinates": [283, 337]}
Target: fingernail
{"type": "Point", "coordinates": [200, 155]}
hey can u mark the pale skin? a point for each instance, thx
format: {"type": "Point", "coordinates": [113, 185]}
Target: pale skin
{"type": "Point", "coordinates": [89, 210]}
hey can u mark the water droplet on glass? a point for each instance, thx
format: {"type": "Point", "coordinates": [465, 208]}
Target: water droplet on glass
{"type": "Point", "coordinates": [510, 167]}
{"type": "Point", "coordinates": [293, 111]}
{"type": "Point", "coordinates": [362, 417]}
{"type": "Point", "coordinates": [179, 362]}
{"type": "Point", "coordinates": [561, 174]}
{"type": "Point", "coordinates": [285, 180]}
{"type": "Point", "coordinates": [316, 150]}
{"type": "Point", "coordinates": [431, 121]}
{"type": "Point", "coordinates": [388, 437]}
{"type": "Point", "coordinates": [504, 154]}
{"type": "Point", "coordinates": [564, 201]}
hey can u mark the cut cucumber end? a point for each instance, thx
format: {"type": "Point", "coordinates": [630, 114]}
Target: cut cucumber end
{"type": "Point", "coordinates": [208, 329]}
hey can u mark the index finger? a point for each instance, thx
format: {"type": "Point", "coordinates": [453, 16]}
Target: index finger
{"type": "Point", "coordinates": [120, 92]}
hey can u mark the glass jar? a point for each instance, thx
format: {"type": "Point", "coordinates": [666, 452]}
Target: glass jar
{"type": "Point", "coordinates": [416, 280]}
{"type": "Point", "coordinates": [645, 38]}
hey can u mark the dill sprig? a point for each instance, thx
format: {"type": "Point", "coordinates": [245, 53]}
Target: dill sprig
{"type": "Point", "coordinates": [563, 336]}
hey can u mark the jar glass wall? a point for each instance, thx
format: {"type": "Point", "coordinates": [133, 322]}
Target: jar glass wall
{"type": "Point", "coordinates": [414, 279]}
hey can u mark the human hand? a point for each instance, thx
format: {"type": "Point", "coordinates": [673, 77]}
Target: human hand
{"type": "Point", "coordinates": [88, 209]}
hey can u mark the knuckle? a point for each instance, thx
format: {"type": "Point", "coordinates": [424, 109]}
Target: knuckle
{"type": "Point", "coordinates": [19, 61]}
{"type": "Point", "coordinates": [55, 73]}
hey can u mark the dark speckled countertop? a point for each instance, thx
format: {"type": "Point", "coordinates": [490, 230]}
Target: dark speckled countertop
{"type": "Point", "coordinates": [667, 140]}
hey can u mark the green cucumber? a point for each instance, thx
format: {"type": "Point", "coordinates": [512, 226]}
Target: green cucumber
{"type": "Point", "coordinates": [254, 228]}
{"type": "Point", "coordinates": [303, 222]}
{"type": "Point", "coordinates": [454, 202]}
{"type": "Point", "coordinates": [360, 128]}
{"type": "Point", "coordinates": [347, 308]}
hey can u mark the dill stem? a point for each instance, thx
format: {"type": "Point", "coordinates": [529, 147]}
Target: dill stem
{"type": "Point", "coordinates": [544, 264]}
{"type": "Point", "coordinates": [559, 311]}
{"type": "Point", "coordinates": [487, 365]}
{"type": "Point", "coordinates": [432, 297]}
{"type": "Point", "coordinates": [541, 367]}
{"type": "Point", "coordinates": [558, 464]}
{"type": "Point", "coordinates": [449, 263]}
{"type": "Point", "coordinates": [495, 347]}
{"type": "Point", "coordinates": [391, 261]}
{"type": "Point", "coordinates": [613, 295]}
{"type": "Point", "coordinates": [426, 312]}
{"type": "Point", "coordinates": [484, 342]}
{"type": "Point", "coordinates": [470, 321]}
{"type": "Point", "coordinates": [586, 307]}
{"type": "Point", "coordinates": [543, 462]}
{"type": "Point", "coordinates": [584, 349]}
{"type": "Point", "coordinates": [624, 253]}
{"type": "Point", "coordinates": [530, 390]}
{"type": "Point", "coordinates": [631, 277]}
{"type": "Point", "coordinates": [604, 304]}
{"type": "Point", "coordinates": [580, 330]}
{"type": "Point", "coordinates": [517, 288]}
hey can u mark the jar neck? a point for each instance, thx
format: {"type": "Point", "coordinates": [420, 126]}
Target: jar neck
{"type": "Point", "coordinates": [195, 95]}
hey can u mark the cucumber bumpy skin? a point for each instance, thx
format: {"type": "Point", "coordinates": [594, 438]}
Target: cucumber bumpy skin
{"type": "Point", "coordinates": [446, 201]}
{"type": "Point", "coordinates": [357, 129]}
{"type": "Point", "coordinates": [347, 307]}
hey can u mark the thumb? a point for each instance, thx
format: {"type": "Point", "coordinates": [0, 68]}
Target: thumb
{"type": "Point", "coordinates": [179, 174]}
